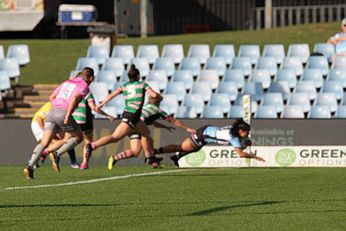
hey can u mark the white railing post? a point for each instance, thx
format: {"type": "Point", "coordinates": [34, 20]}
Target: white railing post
{"type": "Point", "coordinates": [268, 14]}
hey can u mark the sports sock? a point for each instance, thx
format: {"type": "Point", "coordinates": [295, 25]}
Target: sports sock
{"type": "Point", "coordinates": [36, 155]}
{"type": "Point", "coordinates": [71, 143]}
{"type": "Point", "coordinates": [123, 155]}
{"type": "Point", "coordinates": [180, 155]}
{"type": "Point", "coordinates": [72, 155]}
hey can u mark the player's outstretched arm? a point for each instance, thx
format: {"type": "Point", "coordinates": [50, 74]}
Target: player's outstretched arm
{"type": "Point", "coordinates": [179, 124]}
{"type": "Point", "coordinates": [110, 96]}
{"type": "Point", "coordinates": [160, 125]}
{"type": "Point", "coordinates": [243, 154]}
{"type": "Point", "coordinates": [93, 107]}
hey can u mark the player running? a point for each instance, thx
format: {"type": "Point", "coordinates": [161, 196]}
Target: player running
{"type": "Point", "coordinates": [150, 113]}
{"type": "Point", "coordinates": [64, 99]}
{"type": "Point", "coordinates": [134, 95]}
{"type": "Point", "coordinates": [235, 135]}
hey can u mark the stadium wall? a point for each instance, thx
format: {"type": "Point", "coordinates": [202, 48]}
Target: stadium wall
{"type": "Point", "coordinates": [17, 141]}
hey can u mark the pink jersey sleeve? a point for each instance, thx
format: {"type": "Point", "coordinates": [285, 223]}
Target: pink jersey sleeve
{"type": "Point", "coordinates": [56, 91]}
{"type": "Point", "coordinates": [83, 90]}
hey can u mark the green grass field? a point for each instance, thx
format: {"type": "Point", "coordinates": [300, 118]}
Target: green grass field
{"type": "Point", "coordinates": [198, 199]}
{"type": "Point", "coordinates": [52, 60]}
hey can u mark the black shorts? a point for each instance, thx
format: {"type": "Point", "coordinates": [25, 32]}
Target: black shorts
{"type": "Point", "coordinates": [198, 138]}
{"type": "Point", "coordinates": [87, 128]}
{"type": "Point", "coordinates": [131, 118]}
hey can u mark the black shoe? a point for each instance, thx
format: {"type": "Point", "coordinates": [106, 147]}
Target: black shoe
{"type": "Point", "coordinates": [175, 159]}
{"type": "Point", "coordinates": [154, 159]}
{"type": "Point", "coordinates": [89, 150]}
{"type": "Point", "coordinates": [29, 173]}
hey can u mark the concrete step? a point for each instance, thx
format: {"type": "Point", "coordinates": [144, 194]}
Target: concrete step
{"type": "Point", "coordinates": [35, 98]}
{"type": "Point", "coordinates": [26, 111]}
{"type": "Point", "coordinates": [50, 87]}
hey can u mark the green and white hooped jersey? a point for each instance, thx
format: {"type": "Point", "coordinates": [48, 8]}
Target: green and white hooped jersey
{"type": "Point", "coordinates": [134, 94]}
{"type": "Point", "coordinates": [151, 112]}
{"type": "Point", "coordinates": [83, 110]}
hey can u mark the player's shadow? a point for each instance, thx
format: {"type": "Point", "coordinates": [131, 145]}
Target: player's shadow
{"type": "Point", "coordinates": [55, 205]}
{"type": "Point", "coordinates": [223, 208]}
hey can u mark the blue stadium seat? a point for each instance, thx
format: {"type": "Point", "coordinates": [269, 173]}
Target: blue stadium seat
{"type": "Point", "coordinates": [333, 87]}
{"type": "Point", "coordinates": [314, 75]}
{"type": "Point", "coordinates": [88, 62]}
{"type": "Point", "coordinates": [299, 50]}
{"type": "Point", "coordinates": [173, 51]}
{"type": "Point", "coordinates": [251, 51]}
{"type": "Point", "coordinates": [169, 104]}
{"type": "Point", "coordinates": [142, 65]}
{"type": "Point", "coordinates": [229, 88]}
{"type": "Point", "coordinates": [212, 112]}
{"type": "Point", "coordinates": [184, 76]}
{"type": "Point", "coordinates": [19, 52]}
{"type": "Point", "coordinates": [184, 112]}
{"type": "Point", "coordinates": [236, 111]}
{"type": "Point", "coordinates": [99, 90]}
{"type": "Point", "coordinates": [276, 51]}
{"type": "Point", "coordinates": [307, 87]}
{"type": "Point", "coordinates": [199, 51]}
{"type": "Point", "coordinates": [326, 49]}
{"type": "Point", "coordinates": [5, 83]}
{"type": "Point", "coordinates": [195, 101]}
{"type": "Point", "coordinates": [176, 88]}
{"type": "Point", "coordinates": [338, 74]}
{"type": "Point", "coordinates": [217, 64]}
{"type": "Point", "coordinates": [273, 99]}
{"type": "Point", "coordinates": [150, 52]}
{"type": "Point", "coordinates": [222, 100]}
{"type": "Point", "coordinates": [126, 52]}
{"type": "Point", "coordinates": [293, 112]}
{"type": "Point", "coordinates": [301, 99]}
{"type": "Point", "coordinates": [242, 63]}
{"type": "Point", "coordinates": [339, 62]}
{"type": "Point", "coordinates": [202, 88]}
{"type": "Point", "coordinates": [2, 53]}
{"type": "Point", "coordinates": [267, 63]}
{"type": "Point", "coordinates": [100, 53]}
{"type": "Point", "coordinates": [225, 51]}
{"type": "Point", "coordinates": [165, 64]}
{"type": "Point", "coordinates": [107, 77]}
{"type": "Point", "coordinates": [73, 74]}
{"type": "Point", "coordinates": [327, 99]}
{"type": "Point", "coordinates": [210, 76]}
{"type": "Point", "coordinates": [320, 112]}
{"type": "Point", "coordinates": [191, 64]}
{"type": "Point", "coordinates": [254, 89]}
{"type": "Point", "coordinates": [280, 87]}
{"type": "Point", "coordinates": [293, 63]}
{"type": "Point", "coordinates": [287, 75]}
{"type": "Point", "coordinates": [266, 112]}
{"type": "Point", "coordinates": [261, 76]}
{"type": "Point", "coordinates": [341, 112]}
{"type": "Point", "coordinates": [118, 103]}
{"type": "Point", "coordinates": [319, 62]}
{"type": "Point", "coordinates": [236, 76]}
{"type": "Point", "coordinates": [154, 85]}
{"type": "Point", "coordinates": [160, 77]}
{"type": "Point", "coordinates": [116, 65]}
{"type": "Point", "coordinates": [11, 66]}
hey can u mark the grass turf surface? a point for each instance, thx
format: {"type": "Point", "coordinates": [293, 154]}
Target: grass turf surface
{"type": "Point", "coordinates": [202, 199]}
{"type": "Point", "coordinates": [52, 60]}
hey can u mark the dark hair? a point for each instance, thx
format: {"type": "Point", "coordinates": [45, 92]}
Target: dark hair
{"type": "Point", "coordinates": [133, 73]}
{"type": "Point", "coordinates": [237, 125]}
{"type": "Point", "coordinates": [88, 72]}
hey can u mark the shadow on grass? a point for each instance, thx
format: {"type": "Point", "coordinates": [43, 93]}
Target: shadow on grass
{"type": "Point", "coordinates": [223, 208]}
{"type": "Point", "coordinates": [55, 205]}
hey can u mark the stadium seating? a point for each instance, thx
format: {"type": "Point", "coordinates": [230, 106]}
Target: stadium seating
{"type": "Point", "coordinates": [109, 110]}
{"type": "Point", "coordinates": [191, 64]}
{"type": "Point", "coordinates": [280, 87]}
{"type": "Point", "coordinates": [202, 88]}
{"type": "Point", "coordinates": [142, 65]}
{"type": "Point", "coordinates": [293, 112]}
{"type": "Point", "coordinates": [125, 52]}
{"type": "Point", "coordinates": [169, 104]}
{"type": "Point", "coordinates": [338, 74]}
{"type": "Point", "coordinates": [236, 111]}
{"type": "Point", "coordinates": [319, 62]}
{"type": "Point", "coordinates": [217, 64]}
{"type": "Point", "coordinates": [73, 74]}
{"type": "Point", "coordinates": [19, 52]}
{"type": "Point", "coordinates": [254, 89]}
{"type": "Point", "coordinates": [320, 112]}
{"type": "Point", "coordinates": [99, 90]}
{"type": "Point", "coordinates": [293, 63]}
{"type": "Point", "coordinates": [11, 66]}
{"type": "Point", "coordinates": [118, 103]}
{"type": "Point", "coordinates": [2, 53]}
{"type": "Point", "coordinates": [261, 76]}
{"type": "Point", "coordinates": [235, 76]}
{"type": "Point", "coordinates": [226, 51]}
{"type": "Point", "coordinates": [333, 87]}
{"type": "Point", "coordinates": [314, 75]}
{"type": "Point", "coordinates": [229, 88]}
{"type": "Point", "coordinates": [242, 63]}
{"type": "Point", "coordinates": [266, 112]}
{"type": "Point", "coordinates": [115, 65]}
{"type": "Point", "coordinates": [299, 50]}
{"type": "Point", "coordinates": [199, 51]}
{"type": "Point", "coordinates": [276, 51]}
{"type": "Point", "coordinates": [300, 99]}
{"type": "Point", "coordinates": [184, 76]}
{"type": "Point", "coordinates": [173, 51]}
{"type": "Point", "coordinates": [5, 83]}
{"type": "Point", "coordinates": [100, 53]}
{"type": "Point", "coordinates": [251, 51]}
{"type": "Point", "coordinates": [274, 99]}
{"type": "Point", "coordinates": [327, 99]}
{"type": "Point", "coordinates": [326, 49]}
{"type": "Point", "coordinates": [176, 88]}
{"type": "Point", "coordinates": [151, 52]}
{"type": "Point", "coordinates": [213, 112]}
{"type": "Point", "coordinates": [195, 101]}
{"type": "Point", "coordinates": [339, 62]}
{"type": "Point", "coordinates": [160, 77]}
{"type": "Point", "coordinates": [165, 64]}
{"type": "Point", "coordinates": [267, 63]}
{"type": "Point", "coordinates": [107, 77]}
{"type": "Point", "coordinates": [307, 87]}
{"type": "Point", "coordinates": [341, 112]}
{"type": "Point", "coordinates": [222, 100]}
{"type": "Point", "coordinates": [186, 112]}
{"type": "Point", "coordinates": [210, 76]}
{"type": "Point", "coordinates": [88, 62]}
{"type": "Point", "coordinates": [287, 75]}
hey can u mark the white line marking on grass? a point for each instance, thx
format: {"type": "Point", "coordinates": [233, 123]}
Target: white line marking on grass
{"type": "Point", "coordinates": [97, 180]}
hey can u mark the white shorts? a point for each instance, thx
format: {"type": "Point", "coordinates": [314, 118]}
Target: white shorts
{"type": "Point", "coordinates": [36, 130]}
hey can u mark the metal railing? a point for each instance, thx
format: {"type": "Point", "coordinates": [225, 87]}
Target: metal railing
{"type": "Point", "coordinates": [295, 15]}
